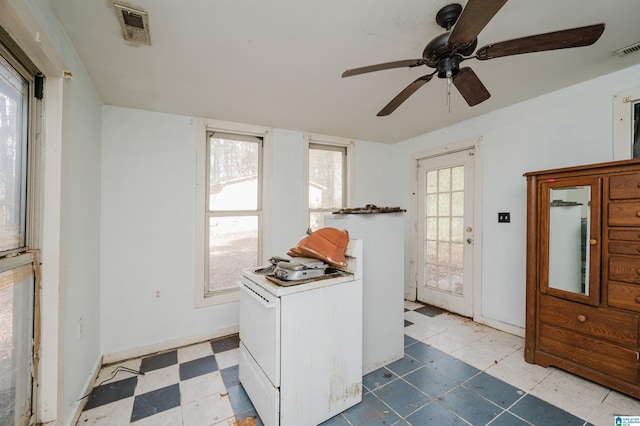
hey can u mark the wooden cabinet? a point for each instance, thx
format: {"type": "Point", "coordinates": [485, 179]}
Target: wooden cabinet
{"type": "Point", "coordinates": [583, 272]}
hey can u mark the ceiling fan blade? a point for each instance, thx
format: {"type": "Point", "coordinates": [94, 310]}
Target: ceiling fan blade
{"type": "Point", "coordinates": [387, 65]}
{"type": "Point", "coordinates": [475, 16]}
{"type": "Point", "coordinates": [404, 95]}
{"type": "Point", "coordinates": [575, 37]}
{"type": "Point", "coordinates": [470, 87]}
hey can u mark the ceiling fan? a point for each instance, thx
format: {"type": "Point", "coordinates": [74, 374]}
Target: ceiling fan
{"type": "Point", "coordinates": [447, 51]}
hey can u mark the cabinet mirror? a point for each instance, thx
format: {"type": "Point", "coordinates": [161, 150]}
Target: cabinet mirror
{"type": "Point", "coordinates": [569, 239]}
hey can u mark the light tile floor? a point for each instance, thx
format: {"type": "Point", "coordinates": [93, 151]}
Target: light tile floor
{"type": "Point", "coordinates": [454, 372]}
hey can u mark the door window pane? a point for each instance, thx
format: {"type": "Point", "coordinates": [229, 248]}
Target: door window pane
{"type": "Point", "coordinates": [444, 226]}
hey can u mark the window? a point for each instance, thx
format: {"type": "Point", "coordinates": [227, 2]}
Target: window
{"type": "Point", "coordinates": [229, 207]}
{"type": "Point", "coordinates": [626, 126]}
{"type": "Point", "coordinates": [329, 183]}
{"type": "Point", "coordinates": [233, 211]}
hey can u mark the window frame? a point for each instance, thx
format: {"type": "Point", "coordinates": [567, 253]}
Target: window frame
{"type": "Point", "coordinates": [205, 128]}
{"type": "Point", "coordinates": [31, 197]}
{"type": "Point", "coordinates": [623, 110]}
{"type": "Point", "coordinates": [348, 182]}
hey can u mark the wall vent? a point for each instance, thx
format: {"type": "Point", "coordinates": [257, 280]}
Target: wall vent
{"type": "Point", "coordinates": [134, 23]}
{"type": "Point", "coordinates": [629, 49]}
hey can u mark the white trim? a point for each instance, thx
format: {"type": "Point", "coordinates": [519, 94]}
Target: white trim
{"type": "Point", "coordinates": [499, 325]}
{"type": "Point", "coordinates": [203, 126]}
{"type": "Point", "coordinates": [167, 345]}
{"type": "Point", "coordinates": [78, 405]}
{"type": "Point", "coordinates": [49, 381]}
{"type": "Point", "coordinates": [476, 145]}
{"type": "Point", "coordinates": [623, 122]}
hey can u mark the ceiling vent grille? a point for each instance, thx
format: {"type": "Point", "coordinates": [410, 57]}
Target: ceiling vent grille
{"type": "Point", "coordinates": [629, 49]}
{"type": "Point", "coordinates": [134, 23]}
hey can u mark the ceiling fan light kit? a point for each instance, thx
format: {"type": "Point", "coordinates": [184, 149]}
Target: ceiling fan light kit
{"type": "Point", "coordinates": [448, 50]}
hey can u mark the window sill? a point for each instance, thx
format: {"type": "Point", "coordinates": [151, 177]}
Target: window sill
{"type": "Point", "coordinates": [203, 301]}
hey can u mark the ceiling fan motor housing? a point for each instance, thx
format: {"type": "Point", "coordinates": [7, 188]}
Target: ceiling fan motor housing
{"type": "Point", "coordinates": [449, 67]}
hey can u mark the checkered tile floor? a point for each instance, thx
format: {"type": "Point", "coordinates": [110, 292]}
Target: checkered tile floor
{"type": "Point", "coordinates": [194, 385]}
{"type": "Point", "coordinates": [489, 384]}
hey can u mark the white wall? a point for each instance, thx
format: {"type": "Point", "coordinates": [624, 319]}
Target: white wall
{"type": "Point", "coordinates": [71, 238]}
{"type": "Point", "coordinates": [569, 127]}
{"type": "Point", "coordinates": [148, 224]}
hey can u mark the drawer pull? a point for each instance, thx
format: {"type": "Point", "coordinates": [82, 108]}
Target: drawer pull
{"type": "Point", "coordinates": [638, 184]}
{"type": "Point", "coordinates": [638, 214]}
{"type": "Point", "coordinates": [582, 318]}
{"type": "Point", "coordinates": [637, 299]}
{"type": "Point", "coordinates": [594, 242]}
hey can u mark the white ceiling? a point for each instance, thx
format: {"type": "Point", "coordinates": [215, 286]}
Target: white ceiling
{"type": "Point", "coordinates": [279, 62]}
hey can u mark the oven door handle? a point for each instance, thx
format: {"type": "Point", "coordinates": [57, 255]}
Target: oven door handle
{"type": "Point", "coordinates": [266, 303]}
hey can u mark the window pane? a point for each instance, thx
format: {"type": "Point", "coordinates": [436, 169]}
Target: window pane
{"type": "Point", "coordinates": [16, 299]}
{"type": "Point", "coordinates": [317, 220]}
{"type": "Point", "coordinates": [233, 246]}
{"type": "Point", "coordinates": [443, 228]}
{"type": "Point", "coordinates": [326, 174]}
{"type": "Point", "coordinates": [457, 178]}
{"type": "Point", "coordinates": [444, 180]}
{"type": "Point", "coordinates": [13, 139]}
{"type": "Point", "coordinates": [327, 180]}
{"type": "Point", "coordinates": [432, 181]}
{"type": "Point", "coordinates": [457, 204]}
{"type": "Point", "coordinates": [233, 174]}
{"type": "Point", "coordinates": [444, 202]}
{"type": "Point", "coordinates": [432, 205]}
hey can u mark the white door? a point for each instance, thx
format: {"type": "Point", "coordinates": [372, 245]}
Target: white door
{"type": "Point", "coordinates": [445, 231]}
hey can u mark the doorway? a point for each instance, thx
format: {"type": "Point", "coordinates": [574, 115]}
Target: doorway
{"type": "Point", "coordinates": [445, 231]}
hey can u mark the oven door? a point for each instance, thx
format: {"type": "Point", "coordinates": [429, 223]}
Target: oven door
{"type": "Point", "coordinates": [260, 327]}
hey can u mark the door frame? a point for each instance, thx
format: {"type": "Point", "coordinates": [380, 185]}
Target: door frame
{"type": "Point", "coordinates": [476, 247]}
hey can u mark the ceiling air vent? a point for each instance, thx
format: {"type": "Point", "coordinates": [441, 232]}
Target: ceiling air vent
{"type": "Point", "coordinates": [134, 23]}
{"type": "Point", "coordinates": [629, 49]}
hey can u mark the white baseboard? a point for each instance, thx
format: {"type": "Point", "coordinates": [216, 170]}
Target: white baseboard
{"type": "Point", "coordinates": [166, 345]}
{"type": "Point", "coordinates": [498, 325]}
{"type": "Point", "coordinates": [78, 405]}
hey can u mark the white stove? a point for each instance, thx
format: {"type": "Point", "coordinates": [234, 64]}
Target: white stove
{"type": "Point", "coordinates": [301, 345]}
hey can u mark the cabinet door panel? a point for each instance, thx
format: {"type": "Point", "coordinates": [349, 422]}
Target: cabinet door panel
{"type": "Point", "coordinates": [597, 354]}
{"type": "Point", "coordinates": [614, 326]}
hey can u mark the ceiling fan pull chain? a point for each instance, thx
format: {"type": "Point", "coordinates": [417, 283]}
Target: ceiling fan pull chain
{"type": "Point", "coordinates": [449, 79]}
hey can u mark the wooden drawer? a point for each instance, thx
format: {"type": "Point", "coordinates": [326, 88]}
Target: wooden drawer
{"type": "Point", "coordinates": [624, 214]}
{"type": "Point", "coordinates": [618, 247]}
{"type": "Point", "coordinates": [623, 187]}
{"type": "Point", "coordinates": [625, 234]}
{"type": "Point", "coordinates": [624, 296]}
{"type": "Point", "coordinates": [597, 354]}
{"type": "Point", "coordinates": [617, 327]}
{"type": "Point", "coordinates": [626, 269]}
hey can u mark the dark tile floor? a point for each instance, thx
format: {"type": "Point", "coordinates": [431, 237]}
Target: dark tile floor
{"type": "Point", "coordinates": [199, 386]}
